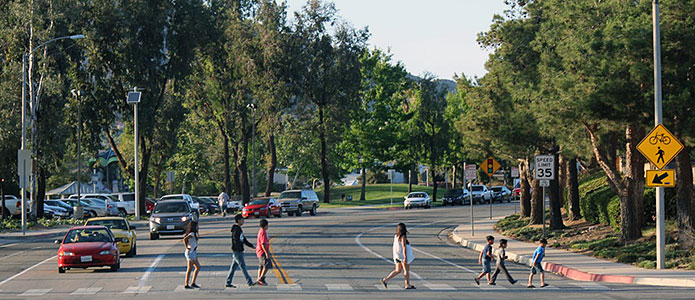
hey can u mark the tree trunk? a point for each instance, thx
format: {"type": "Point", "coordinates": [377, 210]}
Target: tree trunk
{"type": "Point", "coordinates": [434, 183]}
{"type": "Point", "coordinates": [41, 190]}
{"type": "Point", "coordinates": [364, 184]}
{"type": "Point", "coordinates": [144, 168]}
{"type": "Point", "coordinates": [236, 175]}
{"type": "Point", "coordinates": [536, 203]}
{"type": "Point", "coordinates": [273, 165]}
{"type": "Point", "coordinates": [244, 170]}
{"type": "Point", "coordinates": [634, 162]}
{"type": "Point", "coordinates": [555, 201]}
{"type": "Point", "coordinates": [410, 180]}
{"type": "Point", "coordinates": [225, 157]}
{"type": "Point", "coordinates": [324, 159]}
{"type": "Point", "coordinates": [453, 183]}
{"type": "Point", "coordinates": [524, 193]}
{"type": "Point", "coordinates": [685, 194]}
{"type": "Point", "coordinates": [121, 160]}
{"type": "Point", "coordinates": [573, 190]}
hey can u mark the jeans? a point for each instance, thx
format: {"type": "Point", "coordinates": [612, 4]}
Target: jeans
{"type": "Point", "coordinates": [238, 262]}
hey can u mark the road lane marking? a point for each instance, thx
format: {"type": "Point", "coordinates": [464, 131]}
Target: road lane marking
{"type": "Point", "coordinates": [182, 288]}
{"type": "Point", "coordinates": [13, 254]}
{"type": "Point", "coordinates": [27, 269]}
{"type": "Point", "coordinates": [35, 292]}
{"type": "Point", "coordinates": [86, 291]}
{"type": "Point", "coordinates": [338, 287]}
{"type": "Point", "coordinates": [137, 289]}
{"type": "Point", "coordinates": [278, 270]}
{"type": "Point", "coordinates": [391, 287]}
{"type": "Point", "coordinates": [289, 287]}
{"type": "Point", "coordinates": [590, 285]}
{"type": "Point", "coordinates": [150, 270]}
{"type": "Point", "coordinates": [440, 287]}
{"type": "Point", "coordinates": [444, 261]}
{"type": "Point", "coordinates": [486, 287]}
{"type": "Point", "coordinates": [8, 245]}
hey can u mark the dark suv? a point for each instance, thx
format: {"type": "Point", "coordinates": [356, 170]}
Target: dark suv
{"type": "Point", "coordinates": [170, 217]}
{"type": "Point", "coordinates": [455, 197]}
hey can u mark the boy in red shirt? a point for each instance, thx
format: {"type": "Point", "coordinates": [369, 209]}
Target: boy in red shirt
{"type": "Point", "coordinates": [263, 252]}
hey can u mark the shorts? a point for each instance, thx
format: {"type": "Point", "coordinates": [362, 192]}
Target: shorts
{"type": "Point", "coordinates": [486, 266]}
{"type": "Point", "coordinates": [191, 254]}
{"type": "Point", "coordinates": [537, 269]}
{"type": "Point", "coordinates": [264, 262]}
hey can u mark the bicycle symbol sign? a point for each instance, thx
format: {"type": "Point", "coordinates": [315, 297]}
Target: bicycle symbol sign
{"type": "Point", "coordinates": [660, 146]}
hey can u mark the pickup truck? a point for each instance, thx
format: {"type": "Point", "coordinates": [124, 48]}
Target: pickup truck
{"type": "Point", "coordinates": [13, 205]}
{"type": "Point", "coordinates": [481, 194]}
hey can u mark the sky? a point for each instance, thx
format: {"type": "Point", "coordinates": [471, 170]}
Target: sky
{"type": "Point", "coordinates": [436, 36]}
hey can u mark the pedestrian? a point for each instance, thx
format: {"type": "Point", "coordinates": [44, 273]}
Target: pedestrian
{"type": "Point", "coordinates": [501, 257]}
{"type": "Point", "coordinates": [238, 262]}
{"type": "Point", "coordinates": [402, 257]}
{"type": "Point", "coordinates": [485, 259]}
{"type": "Point", "coordinates": [536, 266]}
{"type": "Point", "coordinates": [222, 201]}
{"type": "Point", "coordinates": [190, 240]}
{"type": "Point", "coordinates": [263, 252]}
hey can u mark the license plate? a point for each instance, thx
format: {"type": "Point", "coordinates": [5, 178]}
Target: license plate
{"type": "Point", "coordinates": [87, 258]}
{"type": "Point", "coordinates": [256, 213]}
{"type": "Point", "coordinates": [170, 227]}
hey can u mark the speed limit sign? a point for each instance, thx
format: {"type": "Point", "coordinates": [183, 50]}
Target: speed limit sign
{"type": "Point", "coordinates": [545, 167]}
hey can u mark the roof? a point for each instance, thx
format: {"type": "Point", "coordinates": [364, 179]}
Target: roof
{"type": "Point", "coordinates": [106, 219]}
{"type": "Point", "coordinates": [71, 188]}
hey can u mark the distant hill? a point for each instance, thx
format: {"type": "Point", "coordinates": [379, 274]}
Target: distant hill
{"type": "Point", "coordinates": [445, 84]}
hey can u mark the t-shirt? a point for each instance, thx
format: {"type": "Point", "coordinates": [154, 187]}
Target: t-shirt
{"type": "Point", "coordinates": [540, 253]}
{"type": "Point", "coordinates": [261, 239]}
{"type": "Point", "coordinates": [487, 252]}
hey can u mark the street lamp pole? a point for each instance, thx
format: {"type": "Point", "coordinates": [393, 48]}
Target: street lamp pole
{"type": "Point", "coordinates": [78, 212]}
{"type": "Point", "coordinates": [660, 212]}
{"type": "Point", "coordinates": [252, 107]}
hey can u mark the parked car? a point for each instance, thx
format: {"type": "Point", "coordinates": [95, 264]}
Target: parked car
{"type": "Point", "coordinates": [501, 193]}
{"type": "Point", "coordinates": [417, 199]}
{"type": "Point", "coordinates": [60, 203]}
{"type": "Point", "coordinates": [294, 202]}
{"type": "Point", "coordinates": [89, 210]}
{"type": "Point", "coordinates": [88, 246]}
{"type": "Point", "coordinates": [149, 204]}
{"type": "Point", "coordinates": [481, 194]}
{"type": "Point", "coordinates": [170, 217]}
{"type": "Point", "coordinates": [455, 197]}
{"type": "Point", "coordinates": [186, 197]}
{"type": "Point", "coordinates": [120, 229]}
{"type": "Point", "coordinates": [210, 205]}
{"type": "Point", "coordinates": [50, 211]}
{"type": "Point", "coordinates": [109, 208]}
{"type": "Point", "coordinates": [234, 206]}
{"type": "Point", "coordinates": [262, 207]}
{"type": "Point", "coordinates": [13, 206]}
{"type": "Point", "coordinates": [121, 208]}
{"type": "Point", "coordinates": [126, 203]}
{"type": "Point", "coordinates": [516, 193]}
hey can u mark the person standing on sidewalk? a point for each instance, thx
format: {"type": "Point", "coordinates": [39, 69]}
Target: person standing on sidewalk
{"type": "Point", "coordinates": [190, 240]}
{"type": "Point", "coordinates": [536, 266]}
{"type": "Point", "coordinates": [238, 262]}
{"type": "Point", "coordinates": [485, 259]}
{"type": "Point", "coordinates": [402, 257]}
{"type": "Point", "coordinates": [501, 257]}
{"type": "Point", "coordinates": [263, 252]}
{"type": "Point", "coordinates": [222, 200]}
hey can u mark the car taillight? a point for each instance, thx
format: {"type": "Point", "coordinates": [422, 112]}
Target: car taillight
{"type": "Point", "coordinates": [19, 204]}
{"type": "Point", "coordinates": [109, 206]}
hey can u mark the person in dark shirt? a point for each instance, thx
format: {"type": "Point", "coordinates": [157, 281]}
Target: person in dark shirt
{"type": "Point", "coordinates": [238, 241]}
{"type": "Point", "coordinates": [501, 257]}
{"type": "Point", "coordinates": [484, 259]}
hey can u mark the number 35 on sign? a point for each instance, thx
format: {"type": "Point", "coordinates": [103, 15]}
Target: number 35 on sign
{"type": "Point", "coordinates": [545, 167]}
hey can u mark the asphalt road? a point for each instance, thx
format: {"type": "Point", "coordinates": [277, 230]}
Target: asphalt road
{"type": "Point", "coordinates": [337, 254]}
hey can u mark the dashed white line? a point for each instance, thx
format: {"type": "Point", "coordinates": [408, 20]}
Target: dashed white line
{"type": "Point", "coordinates": [35, 292]}
{"type": "Point", "coordinates": [289, 287]}
{"type": "Point", "coordinates": [137, 289]}
{"type": "Point", "coordinates": [150, 270]}
{"type": "Point", "coordinates": [338, 287]}
{"type": "Point", "coordinates": [589, 285]}
{"type": "Point", "coordinates": [13, 254]}
{"type": "Point", "coordinates": [86, 291]}
{"type": "Point", "coordinates": [440, 287]}
{"type": "Point", "coordinates": [27, 270]}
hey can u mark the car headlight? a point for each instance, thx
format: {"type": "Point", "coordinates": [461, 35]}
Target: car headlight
{"type": "Point", "coordinates": [66, 253]}
{"type": "Point", "coordinates": [124, 240]}
{"type": "Point", "coordinates": [184, 218]}
{"type": "Point", "coordinates": [156, 220]}
{"type": "Point", "coordinates": [105, 252]}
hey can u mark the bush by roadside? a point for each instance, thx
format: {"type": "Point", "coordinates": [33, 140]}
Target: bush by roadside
{"type": "Point", "coordinates": [43, 223]}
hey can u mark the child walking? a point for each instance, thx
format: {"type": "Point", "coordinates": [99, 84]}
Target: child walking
{"type": "Point", "coordinates": [190, 241]}
{"type": "Point", "coordinates": [402, 257]}
{"type": "Point", "coordinates": [501, 257]}
{"type": "Point", "coordinates": [536, 266]}
{"type": "Point", "coordinates": [263, 252]}
{"type": "Point", "coordinates": [485, 259]}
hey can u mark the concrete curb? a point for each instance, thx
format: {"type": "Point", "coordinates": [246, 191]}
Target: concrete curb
{"type": "Point", "coordinates": [575, 274]}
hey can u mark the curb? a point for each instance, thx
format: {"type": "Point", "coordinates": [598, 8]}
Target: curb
{"type": "Point", "coordinates": [575, 274]}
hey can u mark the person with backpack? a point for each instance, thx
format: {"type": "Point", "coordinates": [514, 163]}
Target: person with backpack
{"type": "Point", "coordinates": [402, 257]}
{"type": "Point", "coordinates": [190, 241]}
{"type": "Point", "coordinates": [238, 262]}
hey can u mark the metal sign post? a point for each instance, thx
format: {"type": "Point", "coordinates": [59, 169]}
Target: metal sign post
{"type": "Point", "coordinates": [660, 211]}
{"type": "Point", "coordinates": [544, 183]}
{"type": "Point", "coordinates": [391, 171]}
{"type": "Point", "coordinates": [23, 170]}
{"type": "Point", "coordinates": [545, 172]}
{"type": "Point", "coordinates": [134, 98]}
{"type": "Point", "coordinates": [469, 176]}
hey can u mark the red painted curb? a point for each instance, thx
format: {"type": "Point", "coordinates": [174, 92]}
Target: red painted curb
{"type": "Point", "coordinates": [584, 276]}
{"type": "Point", "coordinates": [394, 208]}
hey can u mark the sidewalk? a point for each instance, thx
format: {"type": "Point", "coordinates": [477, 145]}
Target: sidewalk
{"type": "Point", "coordinates": [569, 264]}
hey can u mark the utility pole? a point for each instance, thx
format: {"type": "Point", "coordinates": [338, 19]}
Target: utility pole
{"type": "Point", "coordinates": [252, 107]}
{"type": "Point", "coordinates": [78, 212]}
{"type": "Point", "coordinates": [134, 98]}
{"type": "Point", "coordinates": [660, 212]}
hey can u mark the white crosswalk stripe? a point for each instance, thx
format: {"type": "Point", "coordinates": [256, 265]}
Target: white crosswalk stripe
{"type": "Point", "coordinates": [86, 291]}
{"type": "Point", "coordinates": [289, 287]}
{"type": "Point", "coordinates": [35, 292]}
{"type": "Point", "coordinates": [338, 287]}
{"type": "Point", "coordinates": [440, 287]}
{"type": "Point", "coordinates": [390, 287]}
{"type": "Point", "coordinates": [137, 290]}
{"type": "Point", "coordinates": [590, 285]}
{"type": "Point", "coordinates": [486, 287]}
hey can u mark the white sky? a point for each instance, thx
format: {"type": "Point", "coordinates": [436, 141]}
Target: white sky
{"type": "Point", "coordinates": [438, 36]}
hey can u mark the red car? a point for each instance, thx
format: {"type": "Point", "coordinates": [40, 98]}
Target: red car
{"type": "Point", "coordinates": [262, 207]}
{"type": "Point", "coordinates": [88, 246]}
{"type": "Point", "coordinates": [516, 193]}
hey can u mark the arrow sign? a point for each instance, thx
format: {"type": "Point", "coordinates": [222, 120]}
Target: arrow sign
{"type": "Point", "coordinates": [661, 178]}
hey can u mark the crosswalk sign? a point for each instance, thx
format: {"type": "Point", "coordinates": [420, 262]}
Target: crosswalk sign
{"type": "Point", "coordinates": [490, 166]}
{"type": "Point", "coordinates": [660, 146]}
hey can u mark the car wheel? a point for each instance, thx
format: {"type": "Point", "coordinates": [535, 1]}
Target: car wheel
{"type": "Point", "coordinates": [6, 212]}
{"type": "Point", "coordinates": [122, 213]}
{"type": "Point", "coordinates": [61, 270]}
{"type": "Point", "coordinates": [443, 203]}
{"type": "Point", "coordinates": [299, 211]}
{"type": "Point", "coordinates": [279, 215]}
{"type": "Point", "coordinates": [115, 267]}
{"type": "Point", "coordinates": [92, 214]}
{"type": "Point", "coordinates": [313, 210]}
{"type": "Point", "coordinates": [154, 236]}
{"type": "Point", "coordinates": [131, 253]}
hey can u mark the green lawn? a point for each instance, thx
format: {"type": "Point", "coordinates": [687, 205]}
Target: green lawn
{"type": "Point", "coordinates": [375, 194]}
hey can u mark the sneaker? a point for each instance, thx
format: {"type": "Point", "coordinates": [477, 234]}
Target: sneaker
{"type": "Point", "coordinates": [188, 287]}
{"type": "Point", "coordinates": [477, 281]}
{"type": "Point", "coordinates": [410, 287]}
{"type": "Point", "coordinates": [195, 286]}
{"type": "Point", "coordinates": [230, 286]}
{"type": "Point", "coordinates": [251, 284]}
{"type": "Point", "coordinates": [384, 283]}
{"type": "Point", "coordinates": [261, 283]}
{"type": "Point", "coordinates": [544, 285]}
{"type": "Point", "coordinates": [513, 282]}
{"type": "Point", "coordinates": [491, 283]}
{"type": "Point", "coordinates": [530, 286]}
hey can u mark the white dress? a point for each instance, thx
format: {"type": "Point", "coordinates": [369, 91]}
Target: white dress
{"type": "Point", "coordinates": [398, 251]}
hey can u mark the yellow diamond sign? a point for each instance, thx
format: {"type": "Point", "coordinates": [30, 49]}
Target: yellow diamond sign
{"type": "Point", "coordinates": [661, 178]}
{"type": "Point", "coordinates": [490, 166]}
{"type": "Point", "coordinates": [660, 146]}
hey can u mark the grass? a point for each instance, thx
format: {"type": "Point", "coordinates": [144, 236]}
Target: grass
{"type": "Point", "coordinates": [375, 194]}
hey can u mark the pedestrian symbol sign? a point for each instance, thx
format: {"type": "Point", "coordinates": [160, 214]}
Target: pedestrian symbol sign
{"type": "Point", "coordinates": [490, 166]}
{"type": "Point", "coordinates": [661, 178]}
{"type": "Point", "coordinates": [660, 146]}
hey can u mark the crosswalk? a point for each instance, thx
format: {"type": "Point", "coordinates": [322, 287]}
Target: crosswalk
{"type": "Point", "coordinates": [332, 287]}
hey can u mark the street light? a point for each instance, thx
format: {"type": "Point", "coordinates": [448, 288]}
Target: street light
{"type": "Point", "coordinates": [78, 213]}
{"type": "Point", "coordinates": [252, 107]}
{"type": "Point", "coordinates": [25, 58]}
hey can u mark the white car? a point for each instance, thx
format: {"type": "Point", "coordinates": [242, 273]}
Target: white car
{"type": "Point", "coordinates": [51, 211]}
{"type": "Point", "coordinates": [13, 205]}
{"type": "Point", "coordinates": [417, 199]}
{"type": "Point", "coordinates": [481, 194]}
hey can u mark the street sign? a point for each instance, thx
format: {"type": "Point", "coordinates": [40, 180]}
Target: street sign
{"type": "Point", "coordinates": [170, 176]}
{"type": "Point", "coordinates": [471, 171]}
{"type": "Point", "coordinates": [134, 97]}
{"type": "Point", "coordinates": [390, 173]}
{"type": "Point", "coordinates": [661, 178]}
{"type": "Point", "coordinates": [545, 167]}
{"type": "Point", "coordinates": [660, 146]}
{"type": "Point", "coordinates": [544, 183]}
{"type": "Point", "coordinates": [515, 172]}
{"type": "Point", "coordinates": [490, 166]}
{"type": "Point", "coordinates": [23, 167]}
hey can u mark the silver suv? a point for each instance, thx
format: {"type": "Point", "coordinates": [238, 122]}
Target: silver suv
{"type": "Point", "coordinates": [294, 202]}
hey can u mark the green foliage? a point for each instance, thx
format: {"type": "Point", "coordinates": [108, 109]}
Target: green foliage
{"type": "Point", "coordinates": [11, 224]}
{"type": "Point", "coordinates": [375, 194]}
{"type": "Point", "coordinates": [597, 199]}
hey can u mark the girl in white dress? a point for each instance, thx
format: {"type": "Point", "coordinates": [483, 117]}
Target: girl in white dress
{"type": "Point", "coordinates": [402, 257]}
{"type": "Point", "coordinates": [190, 240]}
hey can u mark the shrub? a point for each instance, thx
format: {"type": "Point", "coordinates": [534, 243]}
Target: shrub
{"type": "Point", "coordinates": [647, 264]}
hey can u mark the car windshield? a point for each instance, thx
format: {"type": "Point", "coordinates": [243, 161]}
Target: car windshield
{"type": "Point", "coordinates": [291, 195]}
{"type": "Point", "coordinates": [95, 202]}
{"type": "Point", "coordinates": [453, 192]}
{"type": "Point", "coordinates": [496, 188]}
{"type": "Point", "coordinates": [417, 195]}
{"type": "Point", "coordinates": [88, 235]}
{"type": "Point", "coordinates": [59, 203]}
{"type": "Point", "coordinates": [111, 224]}
{"type": "Point", "coordinates": [173, 198]}
{"type": "Point", "coordinates": [477, 188]}
{"type": "Point", "coordinates": [208, 200]}
{"type": "Point", "coordinates": [259, 202]}
{"type": "Point", "coordinates": [170, 207]}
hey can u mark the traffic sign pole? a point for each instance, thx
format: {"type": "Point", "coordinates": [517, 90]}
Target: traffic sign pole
{"type": "Point", "coordinates": [470, 193]}
{"type": "Point", "coordinates": [543, 211]}
{"type": "Point", "coordinates": [660, 232]}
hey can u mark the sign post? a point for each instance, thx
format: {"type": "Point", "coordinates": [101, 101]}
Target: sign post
{"type": "Point", "coordinates": [23, 170]}
{"type": "Point", "coordinates": [391, 171]}
{"type": "Point", "coordinates": [490, 166]}
{"type": "Point", "coordinates": [545, 172]}
{"type": "Point", "coordinates": [515, 174]}
{"type": "Point", "coordinates": [134, 98]}
{"type": "Point", "coordinates": [170, 180]}
{"type": "Point", "coordinates": [469, 175]}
